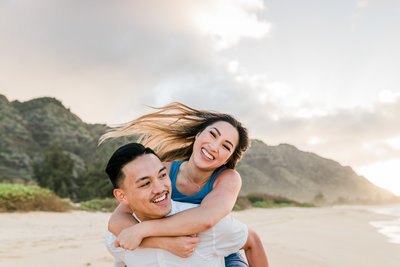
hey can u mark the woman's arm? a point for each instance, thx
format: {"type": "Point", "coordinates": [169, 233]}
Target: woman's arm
{"type": "Point", "coordinates": [120, 219]}
{"type": "Point", "coordinates": [182, 246]}
{"type": "Point", "coordinates": [254, 251]}
{"type": "Point", "coordinates": [217, 204]}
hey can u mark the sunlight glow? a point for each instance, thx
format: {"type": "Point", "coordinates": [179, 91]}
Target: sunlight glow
{"type": "Point", "coordinates": [387, 96]}
{"type": "Point", "coordinates": [394, 142]}
{"type": "Point", "coordinates": [228, 21]}
{"type": "Point", "coordinates": [315, 140]}
{"type": "Point", "coordinates": [384, 174]}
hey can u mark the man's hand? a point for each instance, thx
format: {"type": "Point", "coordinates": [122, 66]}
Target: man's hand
{"type": "Point", "coordinates": [182, 246]}
{"type": "Point", "coordinates": [129, 238]}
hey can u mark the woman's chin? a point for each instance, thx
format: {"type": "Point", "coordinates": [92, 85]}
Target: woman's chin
{"type": "Point", "coordinates": [204, 163]}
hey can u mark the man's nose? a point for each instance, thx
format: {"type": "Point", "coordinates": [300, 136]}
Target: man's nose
{"type": "Point", "coordinates": [158, 186]}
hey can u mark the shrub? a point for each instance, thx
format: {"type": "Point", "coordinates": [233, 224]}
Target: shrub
{"type": "Point", "coordinates": [262, 204]}
{"type": "Point", "coordinates": [241, 204]}
{"type": "Point", "coordinates": [258, 197]}
{"type": "Point", "coordinates": [55, 172]}
{"type": "Point", "coordinates": [106, 204]}
{"type": "Point", "coordinates": [260, 200]}
{"type": "Point", "coordinates": [16, 197]}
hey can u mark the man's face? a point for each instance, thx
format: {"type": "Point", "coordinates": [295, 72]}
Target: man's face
{"type": "Point", "coordinates": [146, 188]}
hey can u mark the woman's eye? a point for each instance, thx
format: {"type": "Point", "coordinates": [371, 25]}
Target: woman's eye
{"type": "Point", "coordinates": [227, 147]}
{"type": "Point", "coordinates": [213, 134]}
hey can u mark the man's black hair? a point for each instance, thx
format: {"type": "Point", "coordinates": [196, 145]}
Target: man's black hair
{"type": "Point", "coordinates": [123, 156]}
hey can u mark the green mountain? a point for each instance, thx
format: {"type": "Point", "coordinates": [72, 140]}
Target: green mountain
{"type": "Point", "coordinates": [284, 170]}
{"type": "Point", "coordinates": [28, 128]}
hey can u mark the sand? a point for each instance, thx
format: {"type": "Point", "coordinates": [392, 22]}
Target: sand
{"type": "Point", "coordinates": [309, 237]}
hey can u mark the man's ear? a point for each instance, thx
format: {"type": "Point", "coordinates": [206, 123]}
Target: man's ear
{"type": "Point", "coordinates": [120, 195]}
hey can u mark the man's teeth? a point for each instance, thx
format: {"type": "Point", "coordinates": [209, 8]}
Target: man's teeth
{"type": "Point", "coordinates": [207, 154]}
{"type": "Point", "coordinates": [160, 198]}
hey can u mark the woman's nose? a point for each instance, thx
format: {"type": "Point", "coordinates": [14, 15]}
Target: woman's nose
{"type": "Point", "coordinates": [213, 146]}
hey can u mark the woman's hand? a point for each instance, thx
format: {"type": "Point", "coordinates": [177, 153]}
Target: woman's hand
{"type": "Point", "coordinates": [129, 238]}
{"type": "Point", "coordinates": [182, 246]}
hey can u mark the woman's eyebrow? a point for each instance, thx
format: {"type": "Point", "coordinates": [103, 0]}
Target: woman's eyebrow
{"type": "Point", "coordinates": [229, 142]}
{"type": "Point", "coordinates": [219, 133]}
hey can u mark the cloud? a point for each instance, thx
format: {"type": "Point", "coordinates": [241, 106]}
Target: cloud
{"type": "Point", "coordinates": [362, 4]}
{"type": "Point", "coordinates": [227, 21]}
{"type": "Point", "coordinates": [357, 136]}
{"type": "Point", "coordinates": [112, 53]}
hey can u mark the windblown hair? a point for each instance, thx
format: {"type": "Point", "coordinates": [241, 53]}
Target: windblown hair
{"type": "Point", "coordinates": [172, 129]}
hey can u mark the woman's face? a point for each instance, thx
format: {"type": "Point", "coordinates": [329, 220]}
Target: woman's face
{"type": "Point", "coordinates": [214, 145]}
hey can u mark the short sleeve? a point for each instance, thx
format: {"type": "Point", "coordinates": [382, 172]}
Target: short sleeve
{"type": "Point", "coordinates": [230, 236]}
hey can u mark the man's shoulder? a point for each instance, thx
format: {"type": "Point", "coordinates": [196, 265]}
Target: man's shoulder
{"type": "Point", "coordinates": [181, 206]}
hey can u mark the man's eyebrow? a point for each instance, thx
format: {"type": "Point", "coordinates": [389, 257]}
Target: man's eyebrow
{"type": "Point", "coordinates": [142, 178]}
{"type": "Point", "coordinates": [148, 177]}
{"type": "Point", "coordinates": [229, 142]}
{"type": "Point", "coordinates": [163, 168]}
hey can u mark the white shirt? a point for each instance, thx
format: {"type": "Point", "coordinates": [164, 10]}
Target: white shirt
{"type": "Point", "coordinates": [225, 238]}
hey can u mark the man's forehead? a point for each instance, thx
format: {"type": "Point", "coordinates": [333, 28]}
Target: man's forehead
{"type": "Point", "coordinates": [145, 165]}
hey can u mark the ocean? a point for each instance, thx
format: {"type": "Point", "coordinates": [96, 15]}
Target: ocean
{"type": "Point", "coordinates": [389, 228]}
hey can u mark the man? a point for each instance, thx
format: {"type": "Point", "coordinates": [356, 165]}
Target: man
{"type": "Point", "coordinates": [142, 182]}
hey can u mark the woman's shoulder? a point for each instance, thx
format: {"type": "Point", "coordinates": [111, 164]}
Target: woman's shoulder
{"type": "Point", "coordinates": [229, 172]}
{"type": "Point", "coordinates": [228, 176]}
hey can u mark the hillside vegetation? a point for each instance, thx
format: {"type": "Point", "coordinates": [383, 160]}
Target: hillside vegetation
{"type": "Point", "coordinates": [15, 197]}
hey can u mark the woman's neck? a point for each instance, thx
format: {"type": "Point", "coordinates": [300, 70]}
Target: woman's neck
{"type": "Point", "coordinates": [195, 174]}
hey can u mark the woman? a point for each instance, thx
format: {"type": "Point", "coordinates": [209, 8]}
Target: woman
{"type": "Point", "coordinates": [208, 146]}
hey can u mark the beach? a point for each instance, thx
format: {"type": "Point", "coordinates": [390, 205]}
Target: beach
{"type": "Point", "coordinates": [309, 237]}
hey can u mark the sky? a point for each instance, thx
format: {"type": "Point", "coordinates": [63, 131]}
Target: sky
{"type": "Point", "coordinates": [320, 75]}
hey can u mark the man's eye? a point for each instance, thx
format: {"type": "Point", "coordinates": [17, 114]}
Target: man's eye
{"type": "Point", "coordinates": [143, 185]}
{"type": "Point", "coordinates": [163, 175]}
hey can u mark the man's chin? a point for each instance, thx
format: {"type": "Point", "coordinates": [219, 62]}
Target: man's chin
{"type": "Point", "coordinates": [160, 214]}
{"type": "Point", "coordinates": [162, 210]}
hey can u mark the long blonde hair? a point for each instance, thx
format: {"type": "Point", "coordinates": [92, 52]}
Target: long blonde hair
{"type": "Point", "coordinates": [172, 129]}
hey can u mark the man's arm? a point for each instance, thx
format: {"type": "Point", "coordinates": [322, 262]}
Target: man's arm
{"type": "Point", "coordinates": [254, 250]}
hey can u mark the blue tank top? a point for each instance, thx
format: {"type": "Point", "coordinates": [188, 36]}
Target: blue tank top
{"type": "Point", "coordinates": [198, 197]}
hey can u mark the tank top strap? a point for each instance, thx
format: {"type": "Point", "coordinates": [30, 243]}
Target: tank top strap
{"type": "Point", "coordinates": [214, 176]}
{"type": "Point", "coordinates": [173, 172]}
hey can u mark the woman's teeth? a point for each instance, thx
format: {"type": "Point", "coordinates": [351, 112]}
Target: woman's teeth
{"type": "Point", "coordinates": [207, 154]}
{"type": "Point", "coordinates": [160, 198]}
